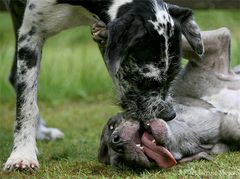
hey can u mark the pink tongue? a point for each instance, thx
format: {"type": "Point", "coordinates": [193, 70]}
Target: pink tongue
{"type": "Point", "coordinates": [162, 157]}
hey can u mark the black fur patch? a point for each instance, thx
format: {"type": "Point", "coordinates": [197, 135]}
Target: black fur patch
{"type": "Point", "coordinates": [20, 100]}
{"type": "Point", "coordinates": [22, 38]}
{"type": "Point", "coordinates": [14, 148]}
{"type": "Point", "coordinates": [18, 126]}
{"type": "Point", "coordinates": [32, 6]}
{"type": "Point", "coordinates": [21, 87]}
{"type": "Point", "coordinates": [32, 31]}
{"type": "Point", "coordinates": [23, 71]}
{"type": "Point", "coordinates": [28, 55]}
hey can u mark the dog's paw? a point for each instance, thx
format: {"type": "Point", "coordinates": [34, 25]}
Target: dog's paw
{"type": "Point", "coordinates": [100, 33]}
{"type": "Point", "coordinates": [45, 133]}
{"type": "Point", "coordinates": [21, 162]}
{"type": "Point", "coordinates": [199, 156]}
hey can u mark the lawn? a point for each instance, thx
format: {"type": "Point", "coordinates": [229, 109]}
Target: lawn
{"type": "Point", "coordinates": [77, 96]}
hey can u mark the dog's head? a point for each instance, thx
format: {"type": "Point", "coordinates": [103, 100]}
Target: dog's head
{"type": "Point", "coordinates": [125, 144]}
{"type": "Point", "coordinates": [150, 31]}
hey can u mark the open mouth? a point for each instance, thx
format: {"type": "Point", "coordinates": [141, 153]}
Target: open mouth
{"type": "Point", "coordinates": [159, 154]}
{"type": "Point", "coordinates": [155, 153]}
{"type": "Point", "coordinates": [139, 145]}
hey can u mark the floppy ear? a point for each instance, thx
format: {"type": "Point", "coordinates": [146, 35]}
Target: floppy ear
{"type": "Point", "coordinates": [103, 155]}
{"type": "Point", "coordinates": [189, 27]}
{"type": "Point", "coordinates": [123, 34]}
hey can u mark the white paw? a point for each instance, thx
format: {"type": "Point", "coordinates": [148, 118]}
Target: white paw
{"type": "Point", "coordinates": [20, 161]}
{"type": "Point", "coordinates": [45, 133]}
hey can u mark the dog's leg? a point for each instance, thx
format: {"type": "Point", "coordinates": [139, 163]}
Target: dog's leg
{"type": "Point", "coordinates": [24, 153]}
{"type": "Point", "coordinates": [42, 19]}
{"type": "Point", "coordinates": [230, 127]}
{"type": "Point", "coordinates": [220, 148]}
{"type": "Point", "coordinates": [16, 9]}
{"type": "Point", "coordinates": [217, 53]}
{"type": "Point", "coordinates": [30, 42]}
{"type": "Point", "coordinates": [199, 156]}
{"type": "Point", "coordinates": [46, 133]}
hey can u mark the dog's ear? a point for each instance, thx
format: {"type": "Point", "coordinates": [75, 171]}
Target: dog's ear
{"type": "Point", "coordinates": [189, 27]}
{"type": "Point", "coordinates": [123, 34]}
{"type": "Point", "coordinates": [103, 155]}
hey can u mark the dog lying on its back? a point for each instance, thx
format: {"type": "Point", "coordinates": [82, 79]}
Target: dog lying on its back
{"type": "Point", "coordinates": [207, 103]}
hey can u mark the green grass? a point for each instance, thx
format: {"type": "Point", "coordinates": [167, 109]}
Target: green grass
{"type": "Point", "coordinates": [76, 95]}
{"type": "Point", "coordinates": [75, 155]}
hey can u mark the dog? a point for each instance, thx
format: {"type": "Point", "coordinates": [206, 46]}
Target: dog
{"type": "Point", "coordinates": [134, 25]}
{"type": "Point", "coordinates": [207, 101]}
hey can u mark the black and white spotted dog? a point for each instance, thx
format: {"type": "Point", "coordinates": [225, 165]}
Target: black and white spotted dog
{"type": "Point", "coordinates": [144, 41]}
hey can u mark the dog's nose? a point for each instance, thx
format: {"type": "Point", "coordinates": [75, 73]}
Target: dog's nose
{"type": "Point", "coordinates": [116, 139]}
{"type": "Point", "coordinates": [168, 116]}
{"type": "Point", "coordinates": [116, 143]}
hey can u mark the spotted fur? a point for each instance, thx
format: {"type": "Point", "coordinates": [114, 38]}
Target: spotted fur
{"type": "Point", "coordinates": [142, 76]}
{"type": "Point", "coordinates": [35, 21]}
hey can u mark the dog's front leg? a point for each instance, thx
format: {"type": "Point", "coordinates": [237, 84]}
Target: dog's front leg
{"type": "Point", "coordinates": [16, 9]}
{"type": "Point", "coordinates": [24, 152]}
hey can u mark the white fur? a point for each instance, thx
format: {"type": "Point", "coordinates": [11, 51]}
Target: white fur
{"type": "Point", "coordinates": [25, 156]}
{"type": "Point", "coordinates": [45, 133]}
{"type": "Point", "coordinates": [154, 72]}
{"type": "Point", "coordinates": [113, 10]}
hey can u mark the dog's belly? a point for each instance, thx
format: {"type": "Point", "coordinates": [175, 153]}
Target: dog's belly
{"type": "Point", "coordinates": [51, 18]}
{"type": "Point", "coordinates": [204, 123]}
{"type": "Point", "coordinates": [193, 127]}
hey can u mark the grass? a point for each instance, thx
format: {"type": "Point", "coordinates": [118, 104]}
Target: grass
{"type": "Point", "coordinates": [75, 88]}
{"type": "Point", "coordinates": [75, 155]}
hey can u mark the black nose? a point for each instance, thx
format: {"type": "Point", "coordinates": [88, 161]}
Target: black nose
{"type": "Point", "coordinates": [116, 139]}
{"type": "Point", "coordinates": [168, 116]}
{"type": "Point", "coordinates": [117, 143]}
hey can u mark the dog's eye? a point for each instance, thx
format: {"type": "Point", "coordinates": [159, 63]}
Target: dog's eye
{"type": "Point", "coordinates": [111, 127]}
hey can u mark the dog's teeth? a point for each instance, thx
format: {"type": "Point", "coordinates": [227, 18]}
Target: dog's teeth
{"type": "Point", "coordinates": [154, 141]}
{"type": "Point", "coordinates": [140, 147]}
